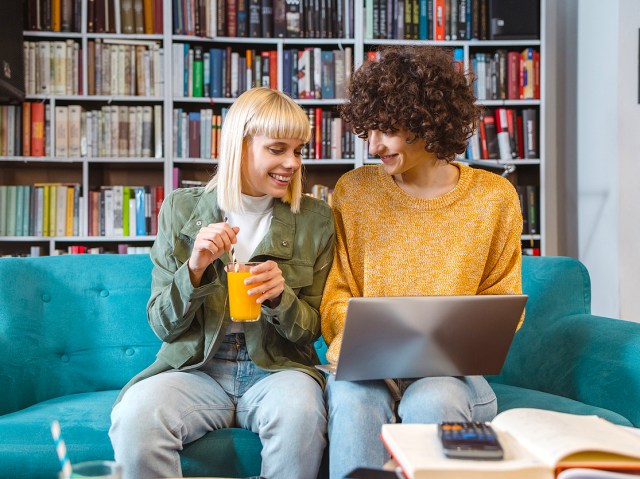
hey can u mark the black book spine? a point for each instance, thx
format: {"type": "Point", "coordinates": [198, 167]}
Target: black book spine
{"type": "Point", "coordinates": [255, 24]}
{"type": "Point", "coordinates": [242, 18]}
{"type": "Point", "coordinates": [221, 29]}
{"type": "Point", "coordinates": [267, 18]}
{"type": "Point", "coordinates": [279, 20]}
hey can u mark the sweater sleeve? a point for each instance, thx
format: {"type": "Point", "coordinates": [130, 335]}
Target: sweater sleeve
{"type": "Point", "coordinates": [503, 272]}
{"type": "Point", "coordinates": [340, 286]}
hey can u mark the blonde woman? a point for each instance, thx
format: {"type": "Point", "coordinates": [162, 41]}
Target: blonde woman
{"type": "Point", "coordinates": [212, 373]}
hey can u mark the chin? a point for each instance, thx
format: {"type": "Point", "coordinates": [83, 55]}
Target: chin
{"type": "Point", "coordinates": [391, 169]}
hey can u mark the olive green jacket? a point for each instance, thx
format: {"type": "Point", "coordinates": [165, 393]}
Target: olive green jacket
{"type": "Point", "coordinates": [192, 322]}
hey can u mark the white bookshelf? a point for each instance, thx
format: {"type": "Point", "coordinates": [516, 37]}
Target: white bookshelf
{"type": "Point", "coordinates": [131, 171]}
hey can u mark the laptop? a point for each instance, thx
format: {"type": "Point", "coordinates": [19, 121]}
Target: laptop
{"type": "Point", "coordinates": [423, 336]}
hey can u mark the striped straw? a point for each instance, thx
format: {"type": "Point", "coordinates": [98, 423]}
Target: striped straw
{"type": "Point", "coordinates": [61, 449]}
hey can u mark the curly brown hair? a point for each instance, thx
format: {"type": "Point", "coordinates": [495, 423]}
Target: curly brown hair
{"type": "Point", "coordinates": [416, 88]}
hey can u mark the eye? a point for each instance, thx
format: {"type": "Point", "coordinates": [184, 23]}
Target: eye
{"type": "Point", "coordinates": [275, 151]}
{"type": "Point", "coordinates": [298, 152]}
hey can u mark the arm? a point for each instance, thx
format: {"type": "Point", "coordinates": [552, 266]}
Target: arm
{"type": "Point", "coordinates": [340, 286]}
{"type": "Point", "coordinates": [503, 273]}
{"type": "Point", "coordinates": [174, 298]}
{"type": "Point", "coordinates": [503, 270]}
{"type": "Point", "coordinates": [297, 317]}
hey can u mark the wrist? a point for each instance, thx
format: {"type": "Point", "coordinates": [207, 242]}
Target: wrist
{"type": "Point", "coordinates": [273, 303]}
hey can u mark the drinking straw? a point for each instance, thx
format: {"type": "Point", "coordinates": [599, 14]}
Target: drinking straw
{"type": "Point", "coordinates": [61, 449]}
{"type": "Point", "coordinates": [233, 253]}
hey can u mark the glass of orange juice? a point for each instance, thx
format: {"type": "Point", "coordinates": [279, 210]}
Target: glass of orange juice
{"type": "Point", "coordinates": [242, 306]}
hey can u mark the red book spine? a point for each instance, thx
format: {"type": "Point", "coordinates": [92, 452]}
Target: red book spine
{"type": "Point", "coordinates": [232, 16]}
{"type": "Point", "coordinates": [318, 136]}
{"type": "Point", "coordinates": [273, 69]}
{"type": "Point", "coordinates": [438, 19]}
{"type": "Point", "coordinates": [513, 76]}
{"type": "Point", "coordinates": [536, 76]}
{"type": "Point", "coordinates": [484, 150]}
{"type": "Point", "coordinates": [37, 129]}
{"type": "Point", "coordinates": [156, 209]}
{"type": "Point", "coordinates": [26, 128]}
{"type": "Point", "coordinates": [520, 137]}
{"type": "Point", "coordinates": [157, 17]}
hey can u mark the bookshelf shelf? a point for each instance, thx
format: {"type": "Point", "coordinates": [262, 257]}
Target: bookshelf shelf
{"type": "Point", "coordinates": [41, 159]}
{"type": "Point", "coordinates": [129, 161]}
{"type": "Point", "coordinates": [53, 35]}
{"type": "Point", "coordinates": [509, 102]}
{"type": "Point", "coordinates": [97, 98]}
{"type": "Point", "coordinates": [163, 170]}
{"type": "Point", "coordinates": [195, 161]}
{"type": "Point", "coordinates": [321, 101]}
{"type": "Point", "coordinates": [204, 99]}
{"type": "Point", "coordinates": [125, 37]}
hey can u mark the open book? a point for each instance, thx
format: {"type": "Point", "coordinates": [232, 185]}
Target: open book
{"type": "Point", "coordinates": [537, 445]}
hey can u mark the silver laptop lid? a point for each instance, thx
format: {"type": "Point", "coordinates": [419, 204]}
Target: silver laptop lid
{"type": "Point", "coordinates": [422, 336]}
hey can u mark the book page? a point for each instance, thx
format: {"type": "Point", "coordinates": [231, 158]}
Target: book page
{"type": "Point", "coordinates": [554, 436]}
{"type": "Point", "coordinates": [580, 473]}
{"type": "Point", "coordinates": [417, 449]}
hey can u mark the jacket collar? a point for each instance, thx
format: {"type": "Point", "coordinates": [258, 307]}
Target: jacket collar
{"type": "Point", "coordinates": [278, 241]}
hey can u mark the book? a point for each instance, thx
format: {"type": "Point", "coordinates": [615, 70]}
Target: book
{"type": "Point", "coordinates": [538, 444]}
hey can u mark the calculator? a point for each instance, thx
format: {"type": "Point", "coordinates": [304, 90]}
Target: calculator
{"type": "Point", "coordinates": [469, 440]}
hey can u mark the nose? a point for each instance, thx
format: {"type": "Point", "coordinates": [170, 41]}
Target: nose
{"type": "Point", "coordinates": [375, 146]}
{"type": "Point", "coordinates": [291, 161]}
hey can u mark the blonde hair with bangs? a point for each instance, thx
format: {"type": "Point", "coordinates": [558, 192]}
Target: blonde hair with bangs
{"type": "Point", "coordinates": [258, 111]}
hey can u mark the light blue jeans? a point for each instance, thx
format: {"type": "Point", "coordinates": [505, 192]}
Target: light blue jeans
{"type": "Point", "coordinates": [160, 414]}
{"type": "Point", "coordinates": [357, 411]}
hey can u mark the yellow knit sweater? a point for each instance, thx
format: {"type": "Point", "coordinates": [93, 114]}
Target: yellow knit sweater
{"type": "Point", "coordinates": [390, 243]}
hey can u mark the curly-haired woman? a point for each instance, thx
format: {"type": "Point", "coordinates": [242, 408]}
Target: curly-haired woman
{"type": "Point", "coordinates": [418, 224]}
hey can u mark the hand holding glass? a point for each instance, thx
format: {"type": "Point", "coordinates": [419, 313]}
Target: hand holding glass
{"type": "Point", "coordinates": [242, 306]}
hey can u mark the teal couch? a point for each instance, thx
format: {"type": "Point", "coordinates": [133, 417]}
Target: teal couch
{"type": "Point", "coordinates": [73, 330]}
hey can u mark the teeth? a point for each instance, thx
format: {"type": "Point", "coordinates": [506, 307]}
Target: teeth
{"type": "Point", "coordinates": [281, 178]}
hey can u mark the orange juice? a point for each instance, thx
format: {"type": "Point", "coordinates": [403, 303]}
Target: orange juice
{"type": "Point", "coordinates": [241, 306]}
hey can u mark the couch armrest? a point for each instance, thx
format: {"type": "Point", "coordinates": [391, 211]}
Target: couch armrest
{"type": "Point", "coordinates": [591, 359]}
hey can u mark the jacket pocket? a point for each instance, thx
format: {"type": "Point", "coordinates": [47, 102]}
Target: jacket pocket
{"type": "Point", "coordinates": [177, 354]}
{"type": "Point", "coordinates": [297, 276]}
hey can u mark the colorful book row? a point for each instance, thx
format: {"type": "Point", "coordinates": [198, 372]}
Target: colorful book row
{"type": "Point", "coordinates": [507, 75]}
{"type": "Point", "coordinates": [507, 134]}
{"type": "Point", "coordinates": [124, 210]}
{"type": "Point", "coordinates": [136, 16]}
{"type": "Point", "coordinates": [221, 72]}
{"type": "Point", "coordinates": [24, 129]}
{"type": "Point", "coordinates": [264, 18]}
{"type": "Point", "coordinates": [428, 20]}
{"type": "Point", "coordinates": [44, 209]}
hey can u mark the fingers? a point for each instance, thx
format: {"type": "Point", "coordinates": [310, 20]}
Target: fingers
{"type": "Point", "coordinates": [211, 242]}
{"type": "Point", "coordinates": [268, 280]}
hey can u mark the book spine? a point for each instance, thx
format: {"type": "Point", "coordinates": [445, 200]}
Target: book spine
{"type": "Point", "coordinates": [198, 72]}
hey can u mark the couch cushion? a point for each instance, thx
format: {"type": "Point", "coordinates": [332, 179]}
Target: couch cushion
{"type": "Point", "coordinates": [72, 324]}
{"type": "Point", "coordinates": [510, 397]}
{"type": "Point", "coordinates": [85, 422]}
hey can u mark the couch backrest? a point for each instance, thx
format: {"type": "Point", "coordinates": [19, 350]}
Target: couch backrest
{"type": "Point", "coordinates": [70, 324]}
{"type": "Point", "coordinates": [557, 287]}
{"type": "Point", "coordinates": [77, 323]}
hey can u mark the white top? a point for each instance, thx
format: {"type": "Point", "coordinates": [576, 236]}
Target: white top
{"type": "Point", "coordinates": [254, 224]}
